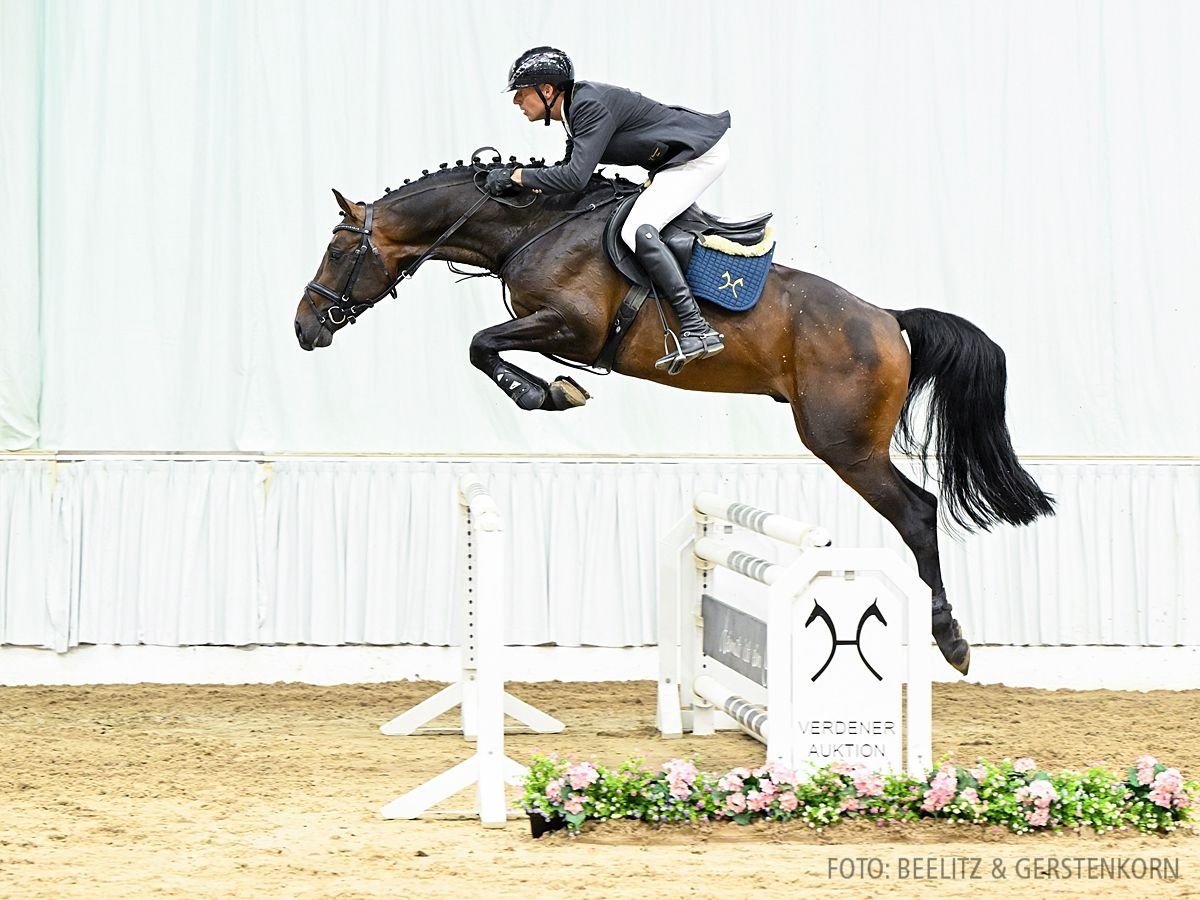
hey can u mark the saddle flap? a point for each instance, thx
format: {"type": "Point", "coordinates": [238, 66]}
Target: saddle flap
{"type": "Point", "coordinates": [620, 255]}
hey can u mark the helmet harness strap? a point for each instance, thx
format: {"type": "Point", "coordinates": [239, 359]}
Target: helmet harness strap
{"type": "Point", "coordinates": [547, 103]}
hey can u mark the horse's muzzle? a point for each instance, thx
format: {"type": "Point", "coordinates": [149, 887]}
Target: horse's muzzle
{"type": "Point", "coordinates": [322, 338]}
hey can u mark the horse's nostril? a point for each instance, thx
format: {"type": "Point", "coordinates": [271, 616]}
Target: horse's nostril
{"type": "Point", "coordinates": [299, 332]}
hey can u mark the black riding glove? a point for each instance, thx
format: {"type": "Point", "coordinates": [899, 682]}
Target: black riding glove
{"type": "Point", "coordinates": [500, 184]}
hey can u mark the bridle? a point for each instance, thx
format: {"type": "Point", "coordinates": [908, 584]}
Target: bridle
{"type": "Point", "coordinates": [343, 308]}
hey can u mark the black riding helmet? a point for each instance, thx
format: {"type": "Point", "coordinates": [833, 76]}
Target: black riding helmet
{"type": "Point", "coordinates": [542, 65]}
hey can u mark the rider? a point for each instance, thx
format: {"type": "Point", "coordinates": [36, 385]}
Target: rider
{"type": "Point", "coordinates": [684, 151]}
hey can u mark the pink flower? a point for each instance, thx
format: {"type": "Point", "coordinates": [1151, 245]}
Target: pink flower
{"type": "Point", "coordinates": [970, 795]}
{"type": "Point", "coordinates": [730, 782]}
{"type": "Point", "coordinates": [758, 801]}
{"type": "Point", "coordinates": [680, 775]}
{"type": "Point", "coordinates": [735, 803]}
{"type": "Point", "coordinates": [1042, 792]}
{"type": "Point", "coordinates": [1024, 764]}
{"type": "Point", "coordinates": [680, 790]}
{"type": "Point", "coordinates": [1168, 789]}
{"type": "Point", "coordinates": [843, 768]}
{"type": "Point", "coordinates": [1039, 794]}
{"type": "Point", "coordinates": [581, 775]}
{"type": "Point", "coordinates": [779, 773]}
{"type": "Point", "coordinates": [1146, 761]}
{"type": "Point", "coordinates": [979, 773]}
{"type": "Point", "coordinates": [941, 789]}
{"type": "Point", "coordinates": [554, 789]}
{"type": "Point", "coordinates": [574, 806]}
{"type": "Point", "coordinates": [680, 770]}
{"type": "Point", "coordinates": [868, 784]}
{"type": "Point", "coordinates": [850, 804]}
{"type": "Point", "coordinates": [788, 801]}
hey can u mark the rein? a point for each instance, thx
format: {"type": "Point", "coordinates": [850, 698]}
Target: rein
{"type": "Point", "coordinates": [575, 214]}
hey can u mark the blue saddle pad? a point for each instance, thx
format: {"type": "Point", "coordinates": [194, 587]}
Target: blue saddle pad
{"type": "Point", "coordinates": [732, 282]}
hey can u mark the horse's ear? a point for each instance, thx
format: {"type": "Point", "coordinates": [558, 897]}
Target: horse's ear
{"type": "Point", "coordinates": [346, 205]}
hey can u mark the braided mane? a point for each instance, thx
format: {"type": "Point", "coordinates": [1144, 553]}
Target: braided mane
{"type": "Point", "coordinates": [597, 182]}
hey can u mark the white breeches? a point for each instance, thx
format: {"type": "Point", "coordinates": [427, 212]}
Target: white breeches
{"type": "Point", "coordinates": [675, 189]}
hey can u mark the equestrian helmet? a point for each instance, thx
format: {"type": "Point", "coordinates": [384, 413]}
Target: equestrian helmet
{"type": "Point", "coordinates": [541, 65]}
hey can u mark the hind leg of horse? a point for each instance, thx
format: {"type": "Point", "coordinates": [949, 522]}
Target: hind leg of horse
{"type": "Point", "coordinates": [912, 511]}
{"type": "Point", "coordinates": [543, 331]}
{"type": "Point", "coordinates": [945, 627]}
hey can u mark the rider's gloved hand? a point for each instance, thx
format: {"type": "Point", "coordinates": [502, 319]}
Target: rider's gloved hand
{"type": "Point", "coordinates": [500, 184]}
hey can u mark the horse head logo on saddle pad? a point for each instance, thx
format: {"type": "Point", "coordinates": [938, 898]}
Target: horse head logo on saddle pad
{"type": "Point", "coordinates": [726, 263]}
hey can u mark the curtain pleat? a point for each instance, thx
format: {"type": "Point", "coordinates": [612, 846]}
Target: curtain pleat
{"type": "Point", "coordinates": [369, 551]}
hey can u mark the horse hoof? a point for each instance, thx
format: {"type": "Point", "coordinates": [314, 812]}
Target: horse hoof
{"type": "Point", "coordinates": [566, 394]}
{"type": "Point", "coordinates": [948, 634]}
{"type": "Point", "coordinates": [964, 664]}
{"type": "Point", "coordinates": [955, 649]}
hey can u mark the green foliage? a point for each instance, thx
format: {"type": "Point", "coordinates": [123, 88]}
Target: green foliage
{"type": "Point", "coordinates": [1018, 795]}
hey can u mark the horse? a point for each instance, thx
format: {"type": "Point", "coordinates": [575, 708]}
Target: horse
{"type": "Point", "coordinates": [841, 363]}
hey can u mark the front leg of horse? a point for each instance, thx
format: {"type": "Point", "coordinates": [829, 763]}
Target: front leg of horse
{"type": "Point", "coordinates": [542, 332]}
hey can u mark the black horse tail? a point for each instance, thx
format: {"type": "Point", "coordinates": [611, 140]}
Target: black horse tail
{"type": "Point", "coordinates": [982, 481]}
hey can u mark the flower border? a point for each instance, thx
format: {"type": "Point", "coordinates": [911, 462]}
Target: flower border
{"type": "Point", "coordinates": [1150, 798]}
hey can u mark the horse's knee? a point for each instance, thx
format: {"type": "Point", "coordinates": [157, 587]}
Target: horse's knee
{"type": "Point", "coordinates": [482, 351]}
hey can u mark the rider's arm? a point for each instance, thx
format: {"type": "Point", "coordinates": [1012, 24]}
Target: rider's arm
{"type": "Point", "coordinates": [592, 127]}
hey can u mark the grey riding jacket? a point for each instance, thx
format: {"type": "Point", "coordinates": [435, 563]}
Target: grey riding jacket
{"type": "Point", "coordinates": [608, 124]}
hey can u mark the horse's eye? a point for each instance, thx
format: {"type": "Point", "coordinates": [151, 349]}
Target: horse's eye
{"type": "Point", "coordinates": [335, 254]}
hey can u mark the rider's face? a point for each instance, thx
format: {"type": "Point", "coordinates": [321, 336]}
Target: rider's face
{"type": "Point", "coordinates": [529, 102]}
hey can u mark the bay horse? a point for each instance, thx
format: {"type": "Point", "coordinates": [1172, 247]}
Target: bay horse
{"type": "Point", "coordinates": [840, 362]}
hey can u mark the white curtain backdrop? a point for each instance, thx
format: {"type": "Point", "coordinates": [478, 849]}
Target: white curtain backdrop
{"type": "Point", "coordinates": [329, 552]}
{"type": "Point", "coordinates": [167, 166]}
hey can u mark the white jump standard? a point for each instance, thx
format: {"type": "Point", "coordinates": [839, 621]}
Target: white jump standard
{"type": "Point", "coordinates": [847, 630]}
{"type": "Point", "coordinates": [480, 692]}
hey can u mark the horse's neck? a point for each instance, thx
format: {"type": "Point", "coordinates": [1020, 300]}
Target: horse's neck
{"type": "Point", "coordinates": [492, 240]}
{"type": "Point", "coordinates": [488, 239]}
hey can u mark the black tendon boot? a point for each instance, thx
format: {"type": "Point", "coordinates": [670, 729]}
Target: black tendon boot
{"type": "Point", "coordinates": [697, 339]}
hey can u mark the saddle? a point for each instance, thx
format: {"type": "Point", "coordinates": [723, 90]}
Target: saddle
{"type": "Point", "coordinates": [680, 236]}
{"type": "Point", "coordinates": [690, 229]}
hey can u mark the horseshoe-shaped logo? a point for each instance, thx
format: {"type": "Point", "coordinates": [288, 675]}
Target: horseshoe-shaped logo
{"type": "Point", "coordinates": [731, 284]}
{"type": "Point", "coordinates": [871, 612]}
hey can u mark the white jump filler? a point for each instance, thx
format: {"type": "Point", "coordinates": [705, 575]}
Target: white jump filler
{"type": "Point", "coordinates": [820, 653]}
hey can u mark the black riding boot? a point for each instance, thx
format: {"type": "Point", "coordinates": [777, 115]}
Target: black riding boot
{"type": "Point", "coordinates": [697, 339]}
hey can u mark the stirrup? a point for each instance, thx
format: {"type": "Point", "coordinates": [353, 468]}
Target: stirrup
{"type": "Point", "coordinates": [674, 361]}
